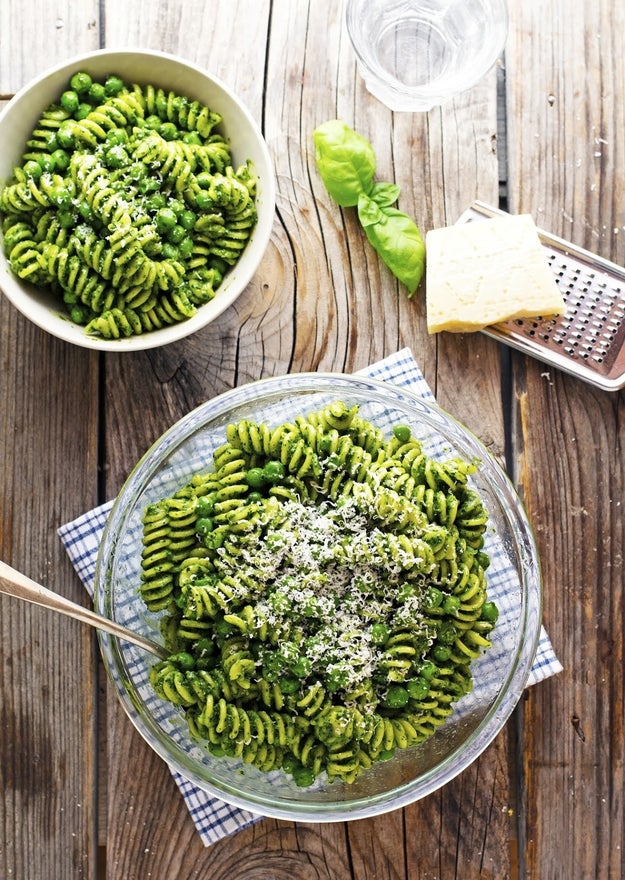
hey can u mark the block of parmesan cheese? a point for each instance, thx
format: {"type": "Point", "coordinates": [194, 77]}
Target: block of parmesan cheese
{"type": "Point", "coordinates": [486, 271]}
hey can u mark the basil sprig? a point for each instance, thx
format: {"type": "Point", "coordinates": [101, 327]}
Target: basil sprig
{"type": "Point", "coordinates": [346, 163]}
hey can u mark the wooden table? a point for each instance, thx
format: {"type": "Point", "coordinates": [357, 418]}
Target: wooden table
{"type": "Point", "coordinates": [82, 796]}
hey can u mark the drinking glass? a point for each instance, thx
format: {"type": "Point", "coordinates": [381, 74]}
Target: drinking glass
{"type": "Point", "coordinates": [416, 54]}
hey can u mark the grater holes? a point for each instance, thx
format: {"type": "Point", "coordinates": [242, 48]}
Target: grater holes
{"type": "Point", "coordinates": [591, 332]}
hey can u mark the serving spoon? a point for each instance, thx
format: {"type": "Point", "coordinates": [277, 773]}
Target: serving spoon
{"type": "Point", "coordinates": [14, 583]}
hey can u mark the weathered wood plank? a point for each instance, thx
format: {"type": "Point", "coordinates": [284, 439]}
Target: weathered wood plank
{"type": "Point", "coordinates": [48, 695]}
{"type": "Point", "coordinates": [566, 113]}
{"type": "Point", "coordinates": [36, 36]}
{"type": "Point", "coordinates": [48, 474]}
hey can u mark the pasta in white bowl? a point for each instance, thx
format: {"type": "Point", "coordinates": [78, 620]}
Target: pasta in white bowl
{"type": "Point", "coordinates": [136, 199]}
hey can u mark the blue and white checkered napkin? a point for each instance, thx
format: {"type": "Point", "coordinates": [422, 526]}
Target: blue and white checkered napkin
{"type": "Point", "coordinates": [213, 818]}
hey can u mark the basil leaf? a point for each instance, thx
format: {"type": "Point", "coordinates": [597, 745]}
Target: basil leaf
{"type": "Point", "coordinates": [384, 193]}
{"type": "Point", "coordinates": [395, 238]}
{"type": "Point", "coordinates": [346, 161]}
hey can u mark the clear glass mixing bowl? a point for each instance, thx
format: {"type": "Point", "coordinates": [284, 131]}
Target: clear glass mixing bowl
{"type": "Point", "coordinates": [500, 673]}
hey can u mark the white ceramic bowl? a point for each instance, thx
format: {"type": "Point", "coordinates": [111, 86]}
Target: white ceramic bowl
{"type": "Point", "coordinates": [18, 120]}
{"type": "Point", "coordinates": [500, 673]}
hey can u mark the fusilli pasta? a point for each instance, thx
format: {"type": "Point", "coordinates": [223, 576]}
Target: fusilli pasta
{"type": "Point", "coordinates": [325, 594]}
{"type": "Point", "coordinates": [127, 206]}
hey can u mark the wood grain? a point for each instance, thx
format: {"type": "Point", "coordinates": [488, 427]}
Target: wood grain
{"type": "Point", "coordinates": [544, 801]}
{"type": "Point", "coordinates": [569, 455]}
{"type": "Point", "coordinates": [48, 471]}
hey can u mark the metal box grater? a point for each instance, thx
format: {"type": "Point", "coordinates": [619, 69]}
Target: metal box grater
{"type": "Point", "coordinates": [588, 341]}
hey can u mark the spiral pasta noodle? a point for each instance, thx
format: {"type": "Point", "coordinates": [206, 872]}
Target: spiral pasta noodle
{"type": "Point", "coordinates": [127, 206]}
{"type": "Point", "coordinates": [324, 590]}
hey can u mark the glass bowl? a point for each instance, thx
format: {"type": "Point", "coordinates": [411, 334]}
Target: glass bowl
{"type": "Point", "coordinates": [170, 73]}
{"type": "Point", "coordinates": [500, 673]}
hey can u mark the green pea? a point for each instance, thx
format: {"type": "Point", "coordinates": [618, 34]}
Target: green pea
{"type": "Point", "coordinates": [418, 688]}
{"type": "Point", "coordinates": [433, 597]}
{"type": "Point", "coordinates": [204, 179]}
{"type": "Point", "coordinates": [154, 201]}
{"type": "Point", "coordinates": [79, 315]}
{"type": "Point", "coordinates": [489, 612]}
{"type": "Point", "coordinates": [301, 667]}
{"type": "Point", "coordinates": [70, 101]}
{"type": "Point", "coordinates": [397, 696]}
{"type": "Point", "coordinates": [66, 219]}
{"type": "Point", "coordinates": [176, 233]}
{"type": "Point", "coordinates": [85, 211]}
{"type": "Point", "coordinates": [191, 137]}
{"type": "Point", "coordinates": [170, 251]}
{"type": "Point", "coordinates": [116, 136]}
{"type": "Point", "coordinates": [451, 604]}
{"type": "Point", "coordinates": [187, 219]}
{"type": "Point", "coordinates": [81, 82]}
{"type": "Point", "coordinates": [32, 169]}
{"type": "Point", "coordinates": [177, 206]}
{"type": "Point", "coordinates": [289, 684]}
{"type": "Point", "coordinates": [205, 505]}
{"type": "Point", "coordinates": [116, 157]}
{"type": "Point", "coordinates": [204, 647]}
{"type": "Point", "coordinates": [402, 433]}
{"type": "Point", "coordinates": [46, 161]}
{"type": "Point", "coordinates": [428, 670]}
{"type": "Point", "coordinates": [52, 142]}
{"type": "Point", "coordinates": [82, 111]}
{"type": "Point", "coordinates": [482, 559]}
{"type": "Point", "coordinates": [60, 196]}
{"type": "Point", "coordinates": [96, 93]}
{"type": "Point", "coordinates": [255, 478]}
{"type": "Point", "coordinates": [203, 201]}
{"type": "Point", "coordinates": [441, 653]}
{"type": "Point", "coordinates": [60, 159]}
{"type": "Point", "coordinates": [65, 136]}
{"type": "Point", "coordinates": [149, 185]}
{"type": "Point", "coordinates": [165, 219]}
{"type": "Point", "coordinates": [152, 122]}
{"type": "Point", "coordinates": [386, 754]}
{"type": "Point", "coordinates": [303, 777]}
{"type": "Point", "coordinates": [168, 131]}
{"type": "Point", "coordinates": [186, 247]}
{"type": "Point", "coordinates": [213, 540]}
{"type": "Point", "coordinates": [113, 85]}
{"type": "Point", "coordinates": [379, 633]}
{"type": "Point", "coordinates": [183, 660]}
{"type": "Point", "coordinates": [136, 171]}
{"type": "Point", "coordinates": [335, 681]}
{"type": "Point", "coordinates": [253, 497]}
{"type": "Point", "coordinates": [203, 526]}
{"type": "Point", "coordinates": [273, 471]}
{"type": "Point", "coordinates": [406, 591]}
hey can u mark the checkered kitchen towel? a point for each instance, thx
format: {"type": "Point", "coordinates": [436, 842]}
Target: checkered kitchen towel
{"type": "Point", "coordinates": [213, 818]}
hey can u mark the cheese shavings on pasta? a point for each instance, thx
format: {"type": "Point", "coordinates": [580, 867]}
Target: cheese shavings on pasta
{"type": "Point", "coordinates": [324, 592]}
